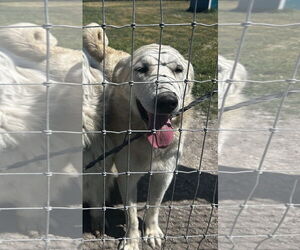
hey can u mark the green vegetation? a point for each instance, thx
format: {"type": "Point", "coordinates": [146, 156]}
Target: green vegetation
{"type": "Point", "coordinates": [268, 53]}
{"type": "Point", "coordinates": [204, 50]}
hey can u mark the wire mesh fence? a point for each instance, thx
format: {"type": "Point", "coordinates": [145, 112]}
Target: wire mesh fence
{"type": "Point", "coordinates": [186, 221]}
{"type": "Point", "coordinates": [260, 217]}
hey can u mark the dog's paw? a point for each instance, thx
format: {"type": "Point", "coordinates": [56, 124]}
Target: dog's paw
{"type": "Point", "coordinates": [96, 225]}
{"type": "Point", "coordinates": [129, 245]}
{"type": "Point", "coordinates": [153, 236]}
{"type": "Point", "coordinates": [34, 234]}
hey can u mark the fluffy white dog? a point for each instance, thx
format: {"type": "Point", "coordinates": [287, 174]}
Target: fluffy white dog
{"type": "Point", "coordinates": [149, 113]}
{"type": "Point", "coordinates": [235, 91]}
{"type": "Point", "coordinates": [234, 95]}
{"type": "Point", "coordinates": [23, 145]}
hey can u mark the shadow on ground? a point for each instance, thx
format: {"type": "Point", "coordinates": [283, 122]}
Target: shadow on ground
{"type": "Point", "coordinates": [272, 186]}
{"type": "Point", "coordinates": [185, 189]}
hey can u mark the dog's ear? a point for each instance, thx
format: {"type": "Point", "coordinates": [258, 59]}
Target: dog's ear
{"type": "Point", "coordinates": [191, 71]}
{"type": "Point", "coordinates": [122, 70]}
{"type": "Point", "coordinates": [26, 42]}
{"type": "Point", "coordinates": [97, 33]}
{"type": "Point", "coordinates": [93, 39]}
{"type": "Point", "coordinates": [38, 35]}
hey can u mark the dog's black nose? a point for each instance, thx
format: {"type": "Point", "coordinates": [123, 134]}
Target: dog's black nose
{"type": "Point", "coordinates": [166, 102]}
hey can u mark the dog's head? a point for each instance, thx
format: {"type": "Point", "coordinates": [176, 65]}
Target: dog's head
{"type": "Point", "coordinates": [27, 41]}
{"type": "Point", "coordinates": [159, 88]}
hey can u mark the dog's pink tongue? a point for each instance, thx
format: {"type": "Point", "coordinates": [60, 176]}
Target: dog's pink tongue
{"type": "Point", "coordinates": [160, 139]}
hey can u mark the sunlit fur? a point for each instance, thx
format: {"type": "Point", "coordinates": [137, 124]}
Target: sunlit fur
{"type": "Point", "coordinates": [23, 124]}
{"type": "Point", "coordinates": [225, 67]}
{"type": "Point", "coordinates": [230, 119]}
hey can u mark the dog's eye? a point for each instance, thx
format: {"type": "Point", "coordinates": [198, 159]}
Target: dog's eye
{"type": "Point", "coordinates": [179, 69]}
{"type": "Point", "coordinates": [143, 69]}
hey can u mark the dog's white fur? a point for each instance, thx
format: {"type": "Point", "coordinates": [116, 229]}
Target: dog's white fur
{"type": "Point", "coordinates": [92, 96]}
{"type": "Point", "coordinates": [234, 95]}
{"type": "Point", "coordinates": [224, 71]}
{"type": "Point", "coordinates": [140, 150]}
{"type": "Point", "coordinates": [23, 108]}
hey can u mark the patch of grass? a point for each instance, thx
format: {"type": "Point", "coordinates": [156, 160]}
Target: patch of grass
{"type": "Point", "coordinates": [269, 53]}
{"type": "Point", "coordinates": [205, 43]}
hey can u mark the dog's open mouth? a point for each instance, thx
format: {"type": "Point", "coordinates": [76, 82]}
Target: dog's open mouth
{"type": "Point", "coordinates": [165, 134]}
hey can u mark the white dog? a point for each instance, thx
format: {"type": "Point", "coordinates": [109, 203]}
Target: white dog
{"type": "Point", "coordinates": [23, 148]}
{"type": "Point", "coordinates": [23, 145]}
{"type": "Point", "coordinates": [234, 95]}
{"type": "Point", "coordinates": [225, 67]}
{"type": "Point", "coordinates": [145, 115]}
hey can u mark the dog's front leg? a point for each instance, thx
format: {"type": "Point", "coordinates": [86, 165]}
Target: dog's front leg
{"type": "Point", "coordinates": [127, 186]}
{"type": "Point", "coordinates": [158, 186]}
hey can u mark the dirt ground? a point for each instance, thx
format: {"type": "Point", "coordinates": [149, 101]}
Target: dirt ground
{"type": "Point", "coordinates": [267, 212]}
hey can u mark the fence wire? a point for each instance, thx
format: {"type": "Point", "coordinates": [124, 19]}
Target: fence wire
{"type": "Point", "coordinates": [130, 138]}
{"type": "Point", "coordinates": [259, 171]}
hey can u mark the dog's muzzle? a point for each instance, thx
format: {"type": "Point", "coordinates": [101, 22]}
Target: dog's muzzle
{"type": "Point", "coordinates": [167, 102]}
{"type": "Point", "coordinates": [161, 121]}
